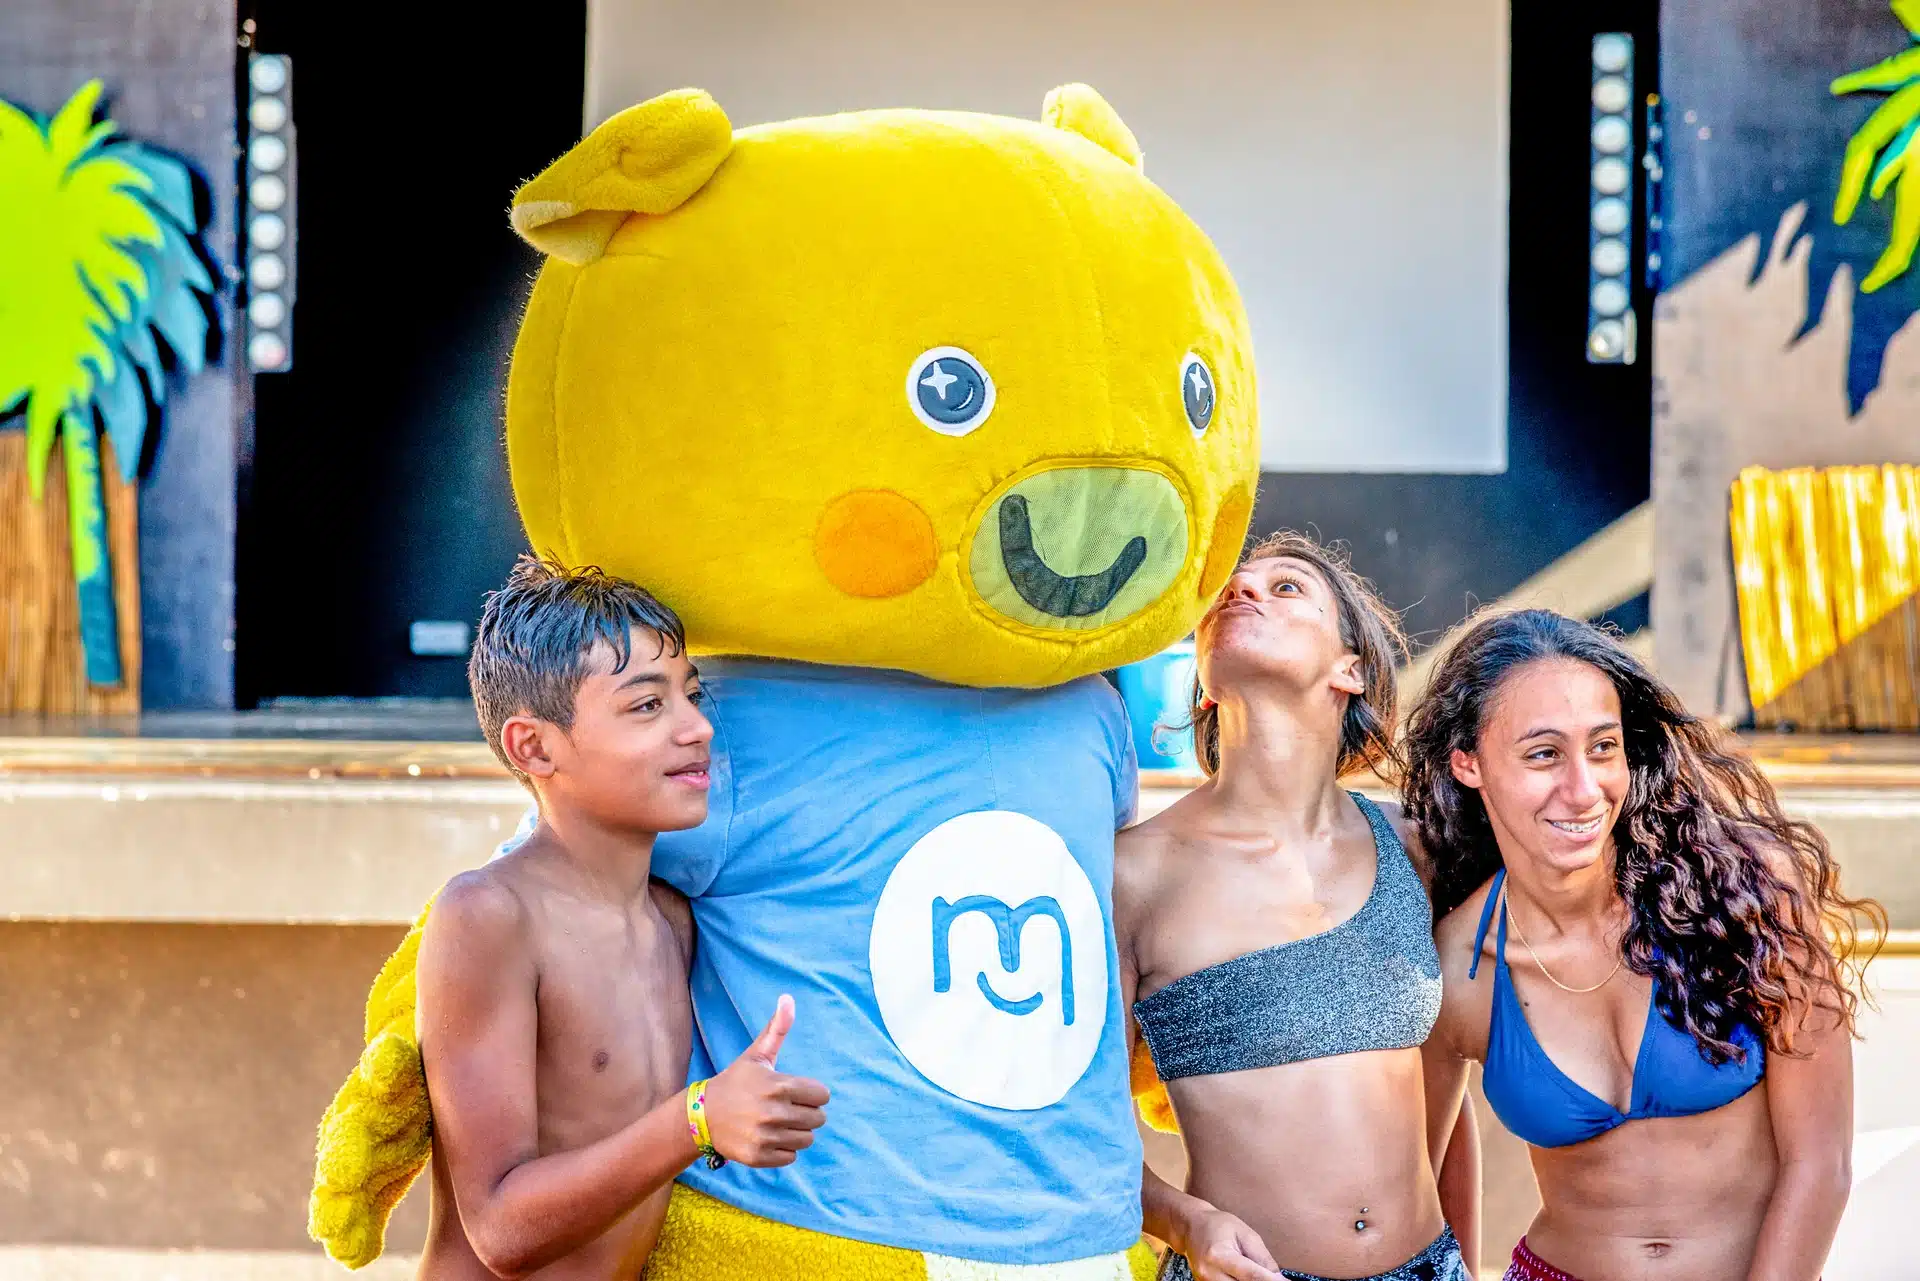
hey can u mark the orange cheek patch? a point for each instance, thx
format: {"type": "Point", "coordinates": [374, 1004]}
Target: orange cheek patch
{"type": "Point", "coordinates": [1223, 549]}
{"type": "Point", "coordinates": [874, 543]}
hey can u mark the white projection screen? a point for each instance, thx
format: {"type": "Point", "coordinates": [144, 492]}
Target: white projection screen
{"type": "Point", "coordinates": [1349, 158]}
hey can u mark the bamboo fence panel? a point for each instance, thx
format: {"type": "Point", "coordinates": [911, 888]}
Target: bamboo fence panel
{"type": "Point", "coordinates": [42, 668]}
{"type": "Point", "coordinates": [1827, 572]}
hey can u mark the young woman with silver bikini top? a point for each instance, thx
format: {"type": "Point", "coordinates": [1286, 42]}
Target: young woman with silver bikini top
{"type": "Point", "coordinates": [1276, 948]}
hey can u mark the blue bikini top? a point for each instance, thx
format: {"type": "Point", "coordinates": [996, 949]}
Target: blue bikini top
{"type": "Point", "coordinates": [1547, 1108]}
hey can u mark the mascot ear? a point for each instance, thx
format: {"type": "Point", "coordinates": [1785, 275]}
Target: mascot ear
{"type": "Point", "coordinates": [648, 159]}
{"type": "Point", "coordinates": [1078, 109]}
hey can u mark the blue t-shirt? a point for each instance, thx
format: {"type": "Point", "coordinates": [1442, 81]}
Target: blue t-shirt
{"type": "Point", "coordinates": [928, 870]}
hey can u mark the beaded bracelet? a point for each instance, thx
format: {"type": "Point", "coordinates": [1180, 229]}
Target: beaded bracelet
{"type": "Point", "coordinates": [697, 1125]}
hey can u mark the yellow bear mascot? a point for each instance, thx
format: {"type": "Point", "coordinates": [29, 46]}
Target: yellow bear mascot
{"type": "Point", "coordinates": [921, 420]}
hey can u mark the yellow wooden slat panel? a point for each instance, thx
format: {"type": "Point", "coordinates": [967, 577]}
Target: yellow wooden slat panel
{"type": "Point", "coordinates": [1827, 569]}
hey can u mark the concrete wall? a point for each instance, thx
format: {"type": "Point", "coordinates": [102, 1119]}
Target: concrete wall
{"type": "Point", "coordinates": [161, 1083]}
{"type": "Point", "coordinates": [163, 1076]}
{"type": "Point", "coordinates": [310, 851]}
{"type": "Point", "coordinates": [168, 66]}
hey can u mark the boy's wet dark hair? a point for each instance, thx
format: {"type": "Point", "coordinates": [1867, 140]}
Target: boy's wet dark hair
{"type": "Point", "coordinates": [530, 655]}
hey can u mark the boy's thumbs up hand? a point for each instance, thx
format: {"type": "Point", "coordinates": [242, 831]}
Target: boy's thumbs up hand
{"type": "Point", "coordinates": [759, 1115]}
{"type": "Point", "coordinates": [766, 1046]}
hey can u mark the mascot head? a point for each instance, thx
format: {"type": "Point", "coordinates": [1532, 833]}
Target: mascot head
{"type": "Point", "coordinates": [955, 394]}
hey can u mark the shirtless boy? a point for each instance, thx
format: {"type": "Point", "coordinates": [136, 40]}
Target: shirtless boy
{"type": "Point", "coordinates": [553, 1010]}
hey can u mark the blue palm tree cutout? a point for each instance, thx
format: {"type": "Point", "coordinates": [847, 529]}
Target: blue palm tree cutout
{"type": "Point", "coordinates": [103, 285]}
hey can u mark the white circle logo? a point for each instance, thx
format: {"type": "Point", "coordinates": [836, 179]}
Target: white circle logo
{"type": "Point", "coordinates": [989, 958]}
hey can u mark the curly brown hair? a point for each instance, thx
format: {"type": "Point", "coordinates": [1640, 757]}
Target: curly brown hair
{"type": "Point", "coordinates": [1368, 628]}
{"type": "Point", "coordinates": [1735, 910]}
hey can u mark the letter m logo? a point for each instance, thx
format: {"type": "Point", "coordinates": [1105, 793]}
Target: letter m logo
{"type": "Point", "coordinates": [1007, 925]}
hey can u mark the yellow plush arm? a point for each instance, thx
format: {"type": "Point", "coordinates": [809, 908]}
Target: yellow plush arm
{"type": "Point", "coordinates": [378, 1134]}
{"type": "Point", "coordinates": [1149, 1092]}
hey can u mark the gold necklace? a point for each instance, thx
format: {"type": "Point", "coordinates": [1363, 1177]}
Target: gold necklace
{"type": "Point", "coordinates": [1507, 906]}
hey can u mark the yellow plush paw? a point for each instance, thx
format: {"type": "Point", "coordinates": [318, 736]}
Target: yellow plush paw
{"type": "Point", "coordinates": [1149, 1092]}
{"type": "Point", "coordinates": [377, 1135]}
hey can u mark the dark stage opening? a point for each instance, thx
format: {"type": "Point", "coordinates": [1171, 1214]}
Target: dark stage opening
{"type": "Point", "coordinates": [373, 490]}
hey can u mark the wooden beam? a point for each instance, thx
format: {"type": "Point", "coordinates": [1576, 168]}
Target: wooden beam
{"type": "Point", "coordinates": [1606, 571]}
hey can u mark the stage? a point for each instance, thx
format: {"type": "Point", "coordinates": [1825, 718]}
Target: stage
{"type": "Point", "coordinates": [199, 901]}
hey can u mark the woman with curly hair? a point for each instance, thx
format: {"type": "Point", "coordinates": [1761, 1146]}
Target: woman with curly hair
{"type": "Point", "coordinates": [1276, 932]}
{"type": "Point", "coordinates": [1672, 1034]}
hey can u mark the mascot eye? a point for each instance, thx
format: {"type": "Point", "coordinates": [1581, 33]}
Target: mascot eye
{"type": "Point", "coordinates": [949, 391]}
{"type": "Point", "coordinates": [1196, 392]}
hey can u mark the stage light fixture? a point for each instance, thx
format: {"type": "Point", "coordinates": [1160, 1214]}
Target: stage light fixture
{"type": "Point", "coordinates": [269, 213]}
{"type": "Point", "coordinates": [1610, 216]}
{"type": "Point", "coordinates": [266, 231]}
{"type": "Point", "coordinates": [1610, 318]}
{"type": "Point", "coordinates": [267, 192]}
{"type": "Point", "coordinates": [266, 271]}
{"type": "Point", "coordinates": [267, 74]}
{"type": "Point", "coordinates": [267, 154]}
{"type": "Point", "coordinates": [1612, 53]}
{"type": "Point", "coordinates": [267, 114]}
{"type": "Point", "coordinates": [1607, 341]}
{"type": "Point", "coordinates": [267, 311]}
{"type": "Point", "coordinates": [1610, 175]}
{"type": "Point", "coordinates": [267, 351]}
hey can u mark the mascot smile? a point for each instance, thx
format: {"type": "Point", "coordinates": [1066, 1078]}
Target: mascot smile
{"type": "Point", "coordinates": [921, 421]}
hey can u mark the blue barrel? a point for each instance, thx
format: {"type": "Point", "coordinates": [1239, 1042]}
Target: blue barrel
{"type": "Point", "coordinates": [1157, 691]}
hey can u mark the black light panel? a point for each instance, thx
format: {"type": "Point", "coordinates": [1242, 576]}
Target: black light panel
{"type": "Point", "coordinates": [1611, 339]}
{"type": "Point", "coordinates": [268, 215]}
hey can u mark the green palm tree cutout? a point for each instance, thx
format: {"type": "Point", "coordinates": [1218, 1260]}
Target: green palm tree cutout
{"type": "Point", "coordinates": [100, 256]}
{"type": "Point", "coordinates": [1889, 134]}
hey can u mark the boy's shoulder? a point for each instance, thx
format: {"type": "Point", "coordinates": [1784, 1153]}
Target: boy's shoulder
{"type": "Point", "coordinates": [481, 908]}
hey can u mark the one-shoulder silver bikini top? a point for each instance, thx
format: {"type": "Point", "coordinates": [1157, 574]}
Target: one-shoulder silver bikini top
{"type": "Point", "coordinates": [1371, 982]}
